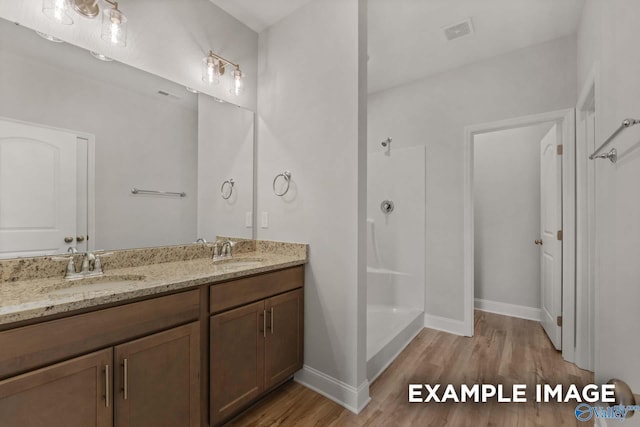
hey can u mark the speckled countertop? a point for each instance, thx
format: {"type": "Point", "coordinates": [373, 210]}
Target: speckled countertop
{"type": "Point", "coordinates": [35, 298]}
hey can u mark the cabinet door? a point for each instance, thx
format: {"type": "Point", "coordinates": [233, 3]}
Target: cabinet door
{"type": "Point", "coordinates": [156, 379]}
{"type": "Point", "coordinates": [75, 393]}
{"type": "Point", "coordinates": [284, 343]}
{"type": "Point", "coordinates": [237, 359]}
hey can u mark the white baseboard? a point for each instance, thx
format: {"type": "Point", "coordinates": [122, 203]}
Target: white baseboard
{"type": "Point", "coordinates": [352, 398]}
{"type": "Point", "coordinates": [521, 311]}
{"type": "Point", "coordinates": [444, 324]}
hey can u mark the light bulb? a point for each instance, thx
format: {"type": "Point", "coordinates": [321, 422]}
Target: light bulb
{"type": "Point", "coordinates": [114, 27]}
{"type": "Point", "coordinates": [210, 70]}
{"type": "Point", "coordinates": [238, 87]}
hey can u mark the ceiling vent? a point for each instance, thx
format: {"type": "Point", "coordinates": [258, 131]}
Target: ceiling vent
{"type": "Point", "coordinates": [459, 30]}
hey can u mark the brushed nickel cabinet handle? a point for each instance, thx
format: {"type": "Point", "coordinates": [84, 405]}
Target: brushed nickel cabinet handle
{"type": "Point", "coordinates": [272, 308]}
{"type": "Point", "coordinates": [106, 386]}
{"type": "Point", "coordinates": [125, 365]}
{"type": "Point", "coordinates": [264, 323]}
{"type": "Point", "coordinates": [68, 239]}
{"type": "Point", "coordinates": [538, 242]}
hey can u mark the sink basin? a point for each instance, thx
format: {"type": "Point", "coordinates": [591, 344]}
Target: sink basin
{"type": "Point", "coordinates": [230, 263]}
{"type": "Point", "coordinates": [94, 284]}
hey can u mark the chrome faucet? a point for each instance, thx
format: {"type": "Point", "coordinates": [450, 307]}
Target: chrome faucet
{"type": "Point", "coordinates": [222, 249]}
{"type": "Point", "coordinates": [91, 266]}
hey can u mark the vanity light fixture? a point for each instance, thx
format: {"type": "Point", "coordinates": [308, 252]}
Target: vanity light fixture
{"type": "Point", "coordinates": [114, 22]}
{"type": "Point", "coordinates": [213, 66]}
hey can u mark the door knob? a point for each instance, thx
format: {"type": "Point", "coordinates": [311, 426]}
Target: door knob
{"type": "Point", "coordinates": [538, 242]}
{"type": "Point", "coordinates": [623, 395]}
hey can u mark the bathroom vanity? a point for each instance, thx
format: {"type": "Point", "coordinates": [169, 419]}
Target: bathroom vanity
{"type": "Point", "coordinates": [180, 343]}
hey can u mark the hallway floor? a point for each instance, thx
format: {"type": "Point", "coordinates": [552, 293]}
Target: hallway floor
{"type": "Point", "coordinates": [504, 350]}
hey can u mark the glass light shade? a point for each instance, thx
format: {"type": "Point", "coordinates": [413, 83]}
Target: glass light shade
{"type": "Point", "coordinates": [114, 27]}
{"type": "Point", "coordinates": [210, 70]}
{"type": "Point", "coordinates": [237, 87]}
{"type": "Point", "coordinates": [57, 10]}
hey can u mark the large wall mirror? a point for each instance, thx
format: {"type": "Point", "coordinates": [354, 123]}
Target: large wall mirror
{"type": "Point", "coordinates": [77, 134]}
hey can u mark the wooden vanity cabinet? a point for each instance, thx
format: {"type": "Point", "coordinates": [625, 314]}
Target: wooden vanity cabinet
{"type": "Point", "coordinates": [237, 359]}
{"type": "Point", "coordinates": [157, 379]}
{"type": "Point", "coordinates": [139, 364]}
{"type": "Point", "coordinates": [284, 338]}
{"type": "Point", "coordinates": [72, 393]}
{"type": "Point", "coordinates": [258, 345]}
{"type": "Point", "coordinates": [149, 381]}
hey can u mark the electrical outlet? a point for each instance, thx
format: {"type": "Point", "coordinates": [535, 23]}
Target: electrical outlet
{"type": "Point", "coordinates": [264, 223]}
{"type": "Point", "coordinates": [248, 219]}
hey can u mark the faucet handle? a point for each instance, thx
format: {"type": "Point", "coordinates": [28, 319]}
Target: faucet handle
{"type": "Point", "coordinates": [71, 267]}
{"type": "Point", "coordinates": [97, 265]}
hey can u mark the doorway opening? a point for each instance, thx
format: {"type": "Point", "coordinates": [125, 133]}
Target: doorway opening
{"type": "Point", "coordinates": [553, 267]}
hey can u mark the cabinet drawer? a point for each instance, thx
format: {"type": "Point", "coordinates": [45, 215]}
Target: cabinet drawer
{"type": "Point", "coordinates": [33, 346]}
{"type": "Point", "coordinates": [227, 295]}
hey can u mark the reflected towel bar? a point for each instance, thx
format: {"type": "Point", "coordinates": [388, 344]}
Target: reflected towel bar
{"type": "Point", "coordinates": [158, 193]}
{"type": "Point", "coordinates": [626, 123]}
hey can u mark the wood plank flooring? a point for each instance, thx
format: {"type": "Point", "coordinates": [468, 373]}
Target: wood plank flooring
{"type": "Point", "coordinates": [504, 350]}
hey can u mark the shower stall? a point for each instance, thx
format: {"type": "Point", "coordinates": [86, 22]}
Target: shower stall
{"type": "Point", "coordinates": [395, 251]}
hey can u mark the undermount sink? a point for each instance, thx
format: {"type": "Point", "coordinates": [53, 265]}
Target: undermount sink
{"type": "Point", "coordinates": [89, 284]}
{"type": "Point", "coordinates": [239, 262]}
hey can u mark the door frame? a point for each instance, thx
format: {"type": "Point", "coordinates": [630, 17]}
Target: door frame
{"type": "Point", "coordinates": [566, 121]}
{"type": "Point", "coordinates": [91, 171]}
{"type": "Point", "coordinates": [586, 267]}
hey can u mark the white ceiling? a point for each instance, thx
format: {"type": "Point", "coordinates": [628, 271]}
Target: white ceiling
{"type": "Point", "coordinates": [406, 41]}
{"type": "Point", "coordinates": [405, 36]}
{"type": "Point", "coordinates": [259, 14]}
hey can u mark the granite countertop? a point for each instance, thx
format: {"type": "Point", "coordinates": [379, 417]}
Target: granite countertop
{"type": "Point", "coordinates": [36, 298]}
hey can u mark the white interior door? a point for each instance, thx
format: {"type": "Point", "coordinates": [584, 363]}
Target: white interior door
{"type": "Point", "coordinates": [37, 189]}
{"type": "Point", "coordinates": [551, 246]}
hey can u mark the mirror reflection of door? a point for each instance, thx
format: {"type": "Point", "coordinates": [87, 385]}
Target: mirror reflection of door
{"type": "Point", "coordinates": [37, 190]}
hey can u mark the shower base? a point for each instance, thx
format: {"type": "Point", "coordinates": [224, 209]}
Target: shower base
{"type": "Point", "coordinates": [389, 330]}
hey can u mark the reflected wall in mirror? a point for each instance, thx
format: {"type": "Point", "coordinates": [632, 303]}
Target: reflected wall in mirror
{"type": "Point", "coordinates": [146, 133]}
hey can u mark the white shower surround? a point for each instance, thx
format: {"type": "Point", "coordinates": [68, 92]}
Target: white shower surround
{"type": "Point", "coordinates": [395, 253]}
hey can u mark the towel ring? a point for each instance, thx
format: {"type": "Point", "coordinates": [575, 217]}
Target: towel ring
{"type": "Point", "coordinates": [287, 177]}
{"type": "Point", "coordinates": [228, 183]}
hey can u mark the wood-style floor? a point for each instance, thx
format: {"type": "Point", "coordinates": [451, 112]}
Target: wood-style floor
{"type": "Point", "coordinates": [504, 350]}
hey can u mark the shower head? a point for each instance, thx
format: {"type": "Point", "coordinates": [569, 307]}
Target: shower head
{"type": "Point", "coordinates": [386, 142]}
